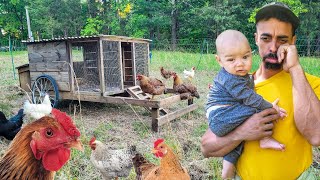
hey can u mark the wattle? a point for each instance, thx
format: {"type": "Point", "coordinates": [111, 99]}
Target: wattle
{"type": "Point", "coordinates": [53, 160]}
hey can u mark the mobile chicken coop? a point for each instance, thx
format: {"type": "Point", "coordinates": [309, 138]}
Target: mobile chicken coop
{"type": "Point", "coordinates": [94, 68]}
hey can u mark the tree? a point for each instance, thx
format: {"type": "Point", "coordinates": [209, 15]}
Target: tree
{"type": "Point", "coordinates": [13, 18]}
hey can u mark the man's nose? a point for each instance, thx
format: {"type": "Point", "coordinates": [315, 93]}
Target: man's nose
{"type": "Point", "coordinates": [273, 47]}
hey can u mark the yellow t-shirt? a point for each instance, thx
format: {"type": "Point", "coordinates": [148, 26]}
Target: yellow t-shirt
{"type": "Point", "coordinates": [266, 164]}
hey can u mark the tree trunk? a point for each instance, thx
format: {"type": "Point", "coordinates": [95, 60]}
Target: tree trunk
{"type": "Point", "coordinates": [173, 25]}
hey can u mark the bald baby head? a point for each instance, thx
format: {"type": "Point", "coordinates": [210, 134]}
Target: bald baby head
{"type": "Point", "coordinates": [230, 39]}
{"type": "Point", "coordinates": [234, 52]}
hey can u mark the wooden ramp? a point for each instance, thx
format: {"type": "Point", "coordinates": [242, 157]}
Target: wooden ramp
{"type": "Point", "coordinates": [136, 92]}
{"type": "Point", "coordinates": [160, 115]}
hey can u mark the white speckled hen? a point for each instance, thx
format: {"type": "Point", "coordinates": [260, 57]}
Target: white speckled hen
{"type": "Point", "coordinates": [111, 163]}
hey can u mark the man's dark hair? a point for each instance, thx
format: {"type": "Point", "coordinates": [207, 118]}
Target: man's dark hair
{"type": "Point", "coordinates": [279, 11]}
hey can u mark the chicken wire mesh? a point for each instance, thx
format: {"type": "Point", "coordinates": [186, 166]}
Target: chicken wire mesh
{"type": "Point", "coordinates": [111, 63]}
{"type": "Point", "coordinates": [141, 58]}
{"type": "Point", "coordinates": [85, 65]}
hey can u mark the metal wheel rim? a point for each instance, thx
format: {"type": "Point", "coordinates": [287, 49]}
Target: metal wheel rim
{"type": "Point", "coordinates": [41, 87]}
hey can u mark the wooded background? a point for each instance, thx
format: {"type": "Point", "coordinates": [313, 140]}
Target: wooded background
{"type": "Point", "coordinates": [184, 25]}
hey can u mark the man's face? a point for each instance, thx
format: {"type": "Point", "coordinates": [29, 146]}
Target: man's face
{"type": "Point", "coordinates": [269, 36]}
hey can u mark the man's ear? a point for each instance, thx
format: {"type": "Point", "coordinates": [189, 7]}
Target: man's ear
{"type": "Point", "coordinates": [294, 39]}
{"type": "Point", "coordinates": [256, 37]}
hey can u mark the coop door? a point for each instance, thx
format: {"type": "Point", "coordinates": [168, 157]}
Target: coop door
{"type": "Point", "coordinates": [141, 53]}
{"type": "Point", "coordinates": [127, 63]}
{"type": "Point", "coordinates": [112, 67]}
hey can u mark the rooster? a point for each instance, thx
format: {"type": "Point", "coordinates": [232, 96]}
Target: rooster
{"type": "Point", "coordinates": [186, 90]}
{"type": "Point", "coordinates": [151, 85]}
{"type": "Point", "coordinates": [40, 148]}
{"type": "Point", "coordinates": [170, 167]}
{"type": "Point", "coordinates": [189, 74]}
{"type": "Point", "coordinates": [37, 111]}
{"type": "Point", "coordinates": [111, 163]}
{"type": "Point", "coordinates": [9, 128]}
{"type": "Point", "coordinates": [166, 73]}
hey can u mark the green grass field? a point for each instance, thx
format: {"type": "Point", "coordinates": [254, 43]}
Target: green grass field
{"type": "Point", "coordinates": [118, 125]}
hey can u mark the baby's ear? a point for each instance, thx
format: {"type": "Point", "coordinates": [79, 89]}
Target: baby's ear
{"type": "Point", "coordinates": [218, 59]}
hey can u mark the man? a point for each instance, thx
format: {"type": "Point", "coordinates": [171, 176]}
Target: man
{"type": "Point", "coordinates": [279, 75]}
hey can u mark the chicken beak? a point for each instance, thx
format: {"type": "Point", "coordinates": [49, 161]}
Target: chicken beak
{"type": "Point", "coordinates": [76, 144]}
{"type": "Point", "coordinates": [154, 151]}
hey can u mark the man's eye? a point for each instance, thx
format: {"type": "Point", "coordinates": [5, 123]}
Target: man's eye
{"type": "Point", "coordinates": [283, 41]}
{"type": "Point", "coordinates": [265, 38]}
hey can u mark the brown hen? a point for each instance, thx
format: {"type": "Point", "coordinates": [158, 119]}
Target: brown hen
{"type": "Point", "coordinates": [186, 90]}
{"type": "Point", "coordinates": [169, 169]}
{"type": "Point", "coordinates": [166, 73]}
{"type": "Point", "coordinates": [151, 85]}
{"type": "Point", "coordinates": [40, 148]}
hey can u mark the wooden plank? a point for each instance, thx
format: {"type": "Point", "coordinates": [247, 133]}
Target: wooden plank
{"type": "Point", "coordinates": [58, 76]}
{"type": "Point", "coordinates": [72, 72]}
{"type": "Point", "coordinates": [101, 68]}
{"type": "Point", "coordinates": [136, 92]}
{"type": "Point", "coordinates": [61, 78]}
{"type": "Point", "coordinates": [173, 115]}
{"type": "Point", "coordinates": [155, 114]}
{"type": "Point", "coordinates": [47, 52]}
{"type": "Point", "coordinates": [96, 97]}
{"type": "Point", "coordinates": [170, 100]}
{"type": "Point", "coordinates": [49, 66]}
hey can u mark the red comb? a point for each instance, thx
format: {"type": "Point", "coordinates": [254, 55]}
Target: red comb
{"type": "Point", "coordinates": [92, 139]}
{"type": "Point", "coordinates": [66, 122]}
{"type": "Point", "coordinates": [157, 142]}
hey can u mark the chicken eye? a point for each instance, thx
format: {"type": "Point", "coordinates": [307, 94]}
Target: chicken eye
{"type": "Point", "coordinates": [49, 133]}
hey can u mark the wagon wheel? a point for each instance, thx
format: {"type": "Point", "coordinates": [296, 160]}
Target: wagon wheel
{"type": "Point", "coordinates": [43, 85]}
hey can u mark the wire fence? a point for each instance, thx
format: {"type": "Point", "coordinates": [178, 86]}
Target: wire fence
{"type": "Point", "coordinates": [306, 47]}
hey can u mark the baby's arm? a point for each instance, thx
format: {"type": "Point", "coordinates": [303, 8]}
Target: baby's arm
{"type": "Point", "coordinates": [239, 89]}
{"type": "Point", "coordinates": [282, 112]}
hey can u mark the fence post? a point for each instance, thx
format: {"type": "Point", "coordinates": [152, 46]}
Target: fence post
{"type": "Point", "coordinates": [10, 49]}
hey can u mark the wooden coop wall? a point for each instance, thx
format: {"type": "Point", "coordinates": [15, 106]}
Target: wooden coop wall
{"type": "Point", "coordinates": [85, 57]}
{"type": "Point", "coordinates": [112, 66]}
{"type": "Point", "coordinates": [141, 52]}
{"type": "Point", "coordinates": [50, 58]}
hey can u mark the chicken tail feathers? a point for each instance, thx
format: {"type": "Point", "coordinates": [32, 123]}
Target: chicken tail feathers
{"type": "Point", "coordinates": [132, 150]}
{"type": "Point", "coordinates": [141, 165]}
{"type": "Point", "coordinates": [18, 118]}
{"type": "Point", "coordinates": [196, 94]}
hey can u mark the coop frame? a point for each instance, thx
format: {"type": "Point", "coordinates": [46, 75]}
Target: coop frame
{"type": "Point", "coordinates": [52, 59]}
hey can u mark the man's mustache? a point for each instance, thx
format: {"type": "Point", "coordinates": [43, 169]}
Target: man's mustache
{"type": "Point", "coordinates": [270, 55]}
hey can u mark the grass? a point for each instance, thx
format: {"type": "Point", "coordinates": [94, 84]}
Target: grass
{"type": "Point", "coordinates": [119, 125]}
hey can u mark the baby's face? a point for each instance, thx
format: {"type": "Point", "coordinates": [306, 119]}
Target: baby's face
{"type": "Point", "coordinates": [236, 58]}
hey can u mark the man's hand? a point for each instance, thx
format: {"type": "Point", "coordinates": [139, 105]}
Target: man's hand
{"type": "Point", "coordinates": [288, 54]}
{"type": "Point", "coordinates": [258, 125]}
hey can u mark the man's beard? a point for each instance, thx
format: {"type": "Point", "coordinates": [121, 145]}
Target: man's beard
{"type": "Point", "coordinates": [272, 66]}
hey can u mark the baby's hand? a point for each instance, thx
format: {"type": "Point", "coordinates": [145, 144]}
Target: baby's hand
{"type": "Point", "coordinates": [281, 111]}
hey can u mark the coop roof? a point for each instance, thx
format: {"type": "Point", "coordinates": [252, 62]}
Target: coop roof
{"type": "Point", "coordinates": [85, 38]}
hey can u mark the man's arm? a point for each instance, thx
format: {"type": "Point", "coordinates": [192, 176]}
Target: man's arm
{"type": "Point", "coordinates": [256, 127]}
{"type": "Point", "coordinates": [306, 103]}
{"type": "Point", "coordinates": [306, 107]}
